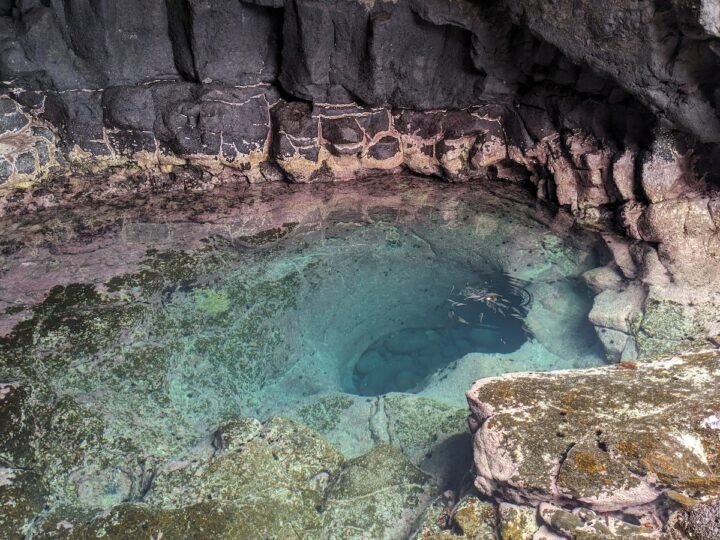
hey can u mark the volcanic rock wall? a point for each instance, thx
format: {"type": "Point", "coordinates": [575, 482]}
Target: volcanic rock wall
{"type": "Point", "coordinates": [609, 110]}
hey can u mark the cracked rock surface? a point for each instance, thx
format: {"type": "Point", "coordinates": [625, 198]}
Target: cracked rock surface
{"type": "Point", "coordinates": [610, 439]}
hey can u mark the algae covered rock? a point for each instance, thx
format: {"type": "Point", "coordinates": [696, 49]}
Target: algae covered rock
{"type": "Point", "coordinates": [379, 495]}
{"type": "Point", "coordinates": [426, 430]}
{"type": "Point", "coordinates": [67, 445]}
{"type": "Point", "coordinates": [276, 478]}
{"type": "Point", "coordinates": [209, 519]}
{"type": "Point", "coordinates": [476, 519]}
{"type": "Point", "coordinates": [584, 524]}
{"type": "Point", "coordinates": [419, 424]}
{"type": "Point", "coordinates": [610, 438]}
{"type": "Point", "coordinates": [675, 321]}
{"type": "Point", "coordinates": [516, 522]}
{"type": "Point", "coordinates": [22, 497]}
{"type": "Point", "coordinates": [470, 519]}
{"type": "Point", "coordinates": [18, 424]}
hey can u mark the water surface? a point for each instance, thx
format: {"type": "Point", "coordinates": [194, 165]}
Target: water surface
{"type": "Point", "coordinates": [365, 312]}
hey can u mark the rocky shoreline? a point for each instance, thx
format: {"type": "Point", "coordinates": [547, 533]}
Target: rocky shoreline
{"type": "Point", "coordinates": [568, 121]}
{"type": "Point", "coordinates": [559, 455]}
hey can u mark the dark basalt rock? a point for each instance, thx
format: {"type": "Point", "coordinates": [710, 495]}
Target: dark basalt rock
{"type": "Point", "coordinates": [385, 148]}
{"type": "Point", "coordinates": [84, 44]}
{"type": "Point", "coordinates": [12, 122]}
{"type": "Point", "coordinates": [665, 53]}
{"type": "Point", "coordinates": [234, 42]}
{"type": "Point", "coordinates": [416, 54]}
{"type": "Point", "coordinates": [25, 163]}
{"type": "Point", "coordinates": [6, 170]}
{"type": "Point", "coordinates": [381, 53]}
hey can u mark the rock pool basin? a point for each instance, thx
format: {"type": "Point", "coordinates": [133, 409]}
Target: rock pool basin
{"type": "Point", "coordinates": [134, 330]}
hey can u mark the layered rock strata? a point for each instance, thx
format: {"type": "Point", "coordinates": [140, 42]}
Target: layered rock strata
{"type": "Point", "coordinates": [306, 91]}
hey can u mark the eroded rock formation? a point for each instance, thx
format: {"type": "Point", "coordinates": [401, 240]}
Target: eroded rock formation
{"type": "Point", "coordinates": [309, 91]}
{"type": "Point", "coordinates": [607, 110]}
{"type": "Point", "coordinates": [626, 440]}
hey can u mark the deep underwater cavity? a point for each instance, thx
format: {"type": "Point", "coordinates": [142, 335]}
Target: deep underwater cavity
{"type": "Point", "coordinates": [484, 316]}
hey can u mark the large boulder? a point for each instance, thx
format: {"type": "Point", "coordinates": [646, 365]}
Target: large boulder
{"type": "Point", "coordinates": [593, 436]}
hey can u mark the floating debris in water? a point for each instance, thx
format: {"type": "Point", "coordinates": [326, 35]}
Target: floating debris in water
{"type": "Point", "coordinates": [483, 318]}
{"type": "Point", "coordinates": [499, 295]}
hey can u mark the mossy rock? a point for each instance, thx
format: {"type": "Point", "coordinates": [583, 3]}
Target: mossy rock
{"type": "Point", "coordinates": [669, 327]}
{"type": "Point", "coordinates": [277, 477]}
{"type": "Point", "coordinates": [326, 413]}
{"type": "Point", "coordinates": [517, 522]}
{"type": "Point", "coordinates": [476, 519]}
{"type": "Point", "coordinates": [418, 423]}
{"type": "Point", "coordinates": [74, 321]}
{"type": "Point", "coordinates": [22, 497]}
{"type": "Point", "coordinates": [470, 519]}
{"type": "Point", "coordinates": [66, 444]}
{"type": "Point", "coordinates": [591, 436]}
{"type": "Point", "coordinates": [19, 423]}
{"type": "Point", "coordinates": [584, 524]}
{"type": "Point", "coordinates": [201, 521]}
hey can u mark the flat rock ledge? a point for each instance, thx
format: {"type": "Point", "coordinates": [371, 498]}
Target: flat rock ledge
{"type": "Point", "coordinates": [634, 438]}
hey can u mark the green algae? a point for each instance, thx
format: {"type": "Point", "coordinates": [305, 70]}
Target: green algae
{"type": "Point", "coordinates": [212, 302]}
{"type": "Point", "coordinates": [13, 310]}
{"type": "Point", "coordinates": [22, 497]}
{"type": "Point", "coordinates": [172, 269]}
{"type": "Point", "coordinates": [207, 519]}
{"type": "Point", "coordinates": [326, 413]}
{"type": "Point", "coordinates": [370, 494]}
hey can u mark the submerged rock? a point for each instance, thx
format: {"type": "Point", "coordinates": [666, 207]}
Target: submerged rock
{"type": "Point", "coordinates": [274, 480]}
{"type": "Point", "coordinates": [275, 477]}
{"type": "Point", "coordinates": [378, 495]}
{"type": "Point", "coordinates": [470, 519]}
{"type": "Point", "coordinates": [583, 524]}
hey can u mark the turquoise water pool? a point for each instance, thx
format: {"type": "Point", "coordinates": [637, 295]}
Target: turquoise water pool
{"type": "Point", "coordinates": [365, 315]}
